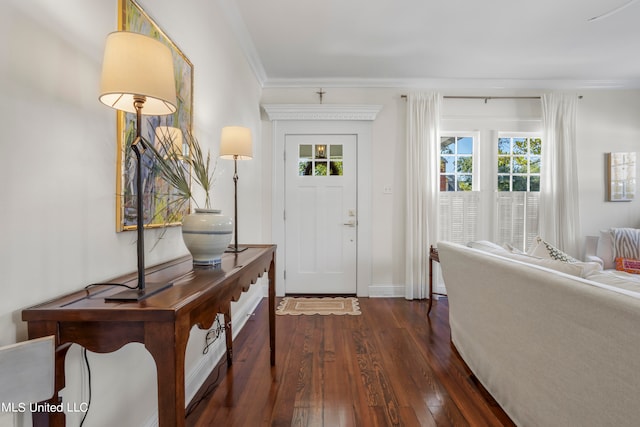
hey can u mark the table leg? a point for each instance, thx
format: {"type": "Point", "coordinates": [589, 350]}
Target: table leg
{"type": "Point", "coordinates": [228, 334]}
{"type": "Point", "coordinates": [272, 309]}
{"type": "Point", "coordinates": [167, 343]}
{"type": "Point", "coordinates": [51, 418]}
{"type": "Point", "coordinates": [430, 283]}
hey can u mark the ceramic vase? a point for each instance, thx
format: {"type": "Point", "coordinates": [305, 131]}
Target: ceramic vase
{"type": "Point", "coordinates": [207, 234]}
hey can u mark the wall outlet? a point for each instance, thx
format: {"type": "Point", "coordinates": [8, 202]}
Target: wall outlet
{"type": "Point", "coordinates": [386, 189]}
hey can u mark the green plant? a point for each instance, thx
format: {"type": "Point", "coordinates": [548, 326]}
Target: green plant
{"type": "Point", "coordinates": [179, 162]}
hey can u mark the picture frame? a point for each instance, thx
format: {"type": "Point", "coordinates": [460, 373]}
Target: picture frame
{"type": "Point", "coordinates": [158, 209]}
{"type": "Point", "coordinates": [621, 176]}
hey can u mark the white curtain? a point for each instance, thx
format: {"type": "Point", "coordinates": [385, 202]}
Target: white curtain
{"type": "Point", "coordinates": [423, 123]}
{"type": "Point", "coordinates": [559, 216]}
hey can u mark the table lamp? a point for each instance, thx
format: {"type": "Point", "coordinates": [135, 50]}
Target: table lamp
{"type": "Point", "coordinates": [138, 77]}
{"type": "Point", "coordinates": [235, 143]}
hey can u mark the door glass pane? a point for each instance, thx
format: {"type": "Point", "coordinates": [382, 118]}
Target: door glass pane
{"type": "Point", "coordinates": [321, 151]}
{"type": "Point", "coordinates": [305, 152]}
{"type": "Point", "coordinates": [321, 169]}
{"type": "Point", "coordinates": [304, 168]}
{"type": "Point", "coordinates": [336, 168]}
{"type": "Point", "coordinates": [336, 151]}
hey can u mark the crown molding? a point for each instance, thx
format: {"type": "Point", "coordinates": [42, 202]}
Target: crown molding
{"type": "Point", "coordinates": [547, 84]}
{"type": "Point", "coordinates": [321, 111]}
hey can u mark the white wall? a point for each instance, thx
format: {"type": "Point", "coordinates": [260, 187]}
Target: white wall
{"type": "Point", "coordinates": [388, 166]}
{"type": "Point", "coordinates": [608, 120]}
{"type": "Point", "coordinates": [58, 165]}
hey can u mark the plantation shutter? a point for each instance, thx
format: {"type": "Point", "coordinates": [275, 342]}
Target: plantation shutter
{"type": "Point", "coordinates": [517, 218]}
{"type": "Point", "coordinates": [458, 216]}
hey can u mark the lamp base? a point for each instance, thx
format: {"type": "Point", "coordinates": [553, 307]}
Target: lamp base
{"type": "Point", "coordinates": [150, 289]}
{"type": "Point", "coordinates": [234, 250]}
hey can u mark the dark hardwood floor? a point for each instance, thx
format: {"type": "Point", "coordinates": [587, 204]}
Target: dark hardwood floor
{"type": "Point", "coordinates": [390, 366]}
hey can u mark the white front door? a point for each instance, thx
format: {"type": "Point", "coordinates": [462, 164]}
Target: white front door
{"type": "Point", "coordinates": [321, 217]}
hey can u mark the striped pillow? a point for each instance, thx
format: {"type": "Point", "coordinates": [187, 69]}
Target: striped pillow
{"type": "Point", "coordinates": [626, 243]}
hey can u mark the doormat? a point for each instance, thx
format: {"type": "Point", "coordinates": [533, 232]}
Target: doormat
{"type": "Point", "coordinates": [323, 306]}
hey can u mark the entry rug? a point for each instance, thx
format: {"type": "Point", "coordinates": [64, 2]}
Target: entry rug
{"type": "Point", "coordinates": [323, 306]}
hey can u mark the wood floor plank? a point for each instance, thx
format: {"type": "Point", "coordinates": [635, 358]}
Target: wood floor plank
{"type": "Point", "coordinates": [391, 366]}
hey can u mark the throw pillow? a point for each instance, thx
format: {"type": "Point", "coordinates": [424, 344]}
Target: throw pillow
{"type": "Point", "coordinates": [604, 249]}
{"type": "Point", "coordinates": [629, 265]}
{"type": "Point", "coordinates": [626, 242]}
{"type": "Point", "coordinates": [545, 249]}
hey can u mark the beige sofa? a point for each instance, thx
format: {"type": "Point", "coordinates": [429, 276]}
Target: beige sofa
{"type": "Point", "coordinates": [553, 348]}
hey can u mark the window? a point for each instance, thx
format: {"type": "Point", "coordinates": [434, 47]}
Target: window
{"type": "Point", "coordinates": [458, 202]}
{"type": "Point", "coordinates": [518, 190]}
{"type": "Point", "coordinates": [506, 211]}
{"type": "Point", "coordinates": [519, 164]}
{"type": "Point", "coordinates": [456, 163]}
{"type": "Point", "coordinates": [320, 160]}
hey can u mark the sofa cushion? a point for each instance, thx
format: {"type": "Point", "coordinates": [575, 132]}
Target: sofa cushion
{"type": "Point", "coordinates": [575, 268]}
{"type": "Point", "coordinates": [618, 279]}
{"type": "Point", "coordinates": [628, 265]}
{"type": "Point", "coordinates": [604, 249]}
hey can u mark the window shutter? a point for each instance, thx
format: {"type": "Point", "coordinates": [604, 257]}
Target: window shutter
{"type": "Point", "coordinates": [517, 218]}
{"type": "Point", "coordinates": [458, 221]}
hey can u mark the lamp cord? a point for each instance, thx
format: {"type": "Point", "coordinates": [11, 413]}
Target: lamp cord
{"type": "Point", "coordinates": [86, 363]}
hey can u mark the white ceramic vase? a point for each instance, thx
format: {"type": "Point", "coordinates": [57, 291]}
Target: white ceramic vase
{"type": "Point", "coordinates": [207, 234]}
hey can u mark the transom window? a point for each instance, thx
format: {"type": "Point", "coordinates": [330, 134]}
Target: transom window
{"type": "Point", "coordinates": [456, 163]}
{"type": "Point", "coordinates": [519, 164]}
{"type": "Point", "coordinates": [320, 160]}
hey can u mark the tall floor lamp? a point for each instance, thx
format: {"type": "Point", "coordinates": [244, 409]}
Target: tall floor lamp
{"type": "Point", "coordinates": [235, 143]}
{"type": "Point", "coordinates": [137, 77]}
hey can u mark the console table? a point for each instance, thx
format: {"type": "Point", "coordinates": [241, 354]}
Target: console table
{"type": "Point", "coordinates": [433, 256]}
{"type": "Point", "coordinates": [161, 322]}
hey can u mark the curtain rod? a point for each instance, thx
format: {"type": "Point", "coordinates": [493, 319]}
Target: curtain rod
{"type": "Point", "coordinates": [486, 98]}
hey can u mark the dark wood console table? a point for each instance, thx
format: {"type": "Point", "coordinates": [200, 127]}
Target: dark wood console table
{"type": "Point", "coordinates": [433, 256]}
{"type": "Point", "coordinates": [161, 322]}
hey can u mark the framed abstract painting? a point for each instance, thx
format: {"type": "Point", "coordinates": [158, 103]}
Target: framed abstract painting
{"type": "Point", "coordinates": [158, 209]}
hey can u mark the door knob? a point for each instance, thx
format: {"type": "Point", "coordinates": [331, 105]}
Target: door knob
{"type": "Point", "coordinates": [350, 223]}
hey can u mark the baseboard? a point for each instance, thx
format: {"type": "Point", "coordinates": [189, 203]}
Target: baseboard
{"type": "Point", "coordinates": [198, 374]}
{"type": "Point", "coordinates": [386, 291]}
{"type": "Point", "coordinates": [398, 291]}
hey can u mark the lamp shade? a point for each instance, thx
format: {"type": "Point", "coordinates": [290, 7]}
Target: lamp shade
{"type": "Point", "coordinates": [137, 65]}
{"type": "Point", "coordinates": [171, 137]}
{"type": "Point", "coordinates": [235, 142]}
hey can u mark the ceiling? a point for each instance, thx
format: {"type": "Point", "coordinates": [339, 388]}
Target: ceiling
{"type": "Point", "coordinates": [453, 43]}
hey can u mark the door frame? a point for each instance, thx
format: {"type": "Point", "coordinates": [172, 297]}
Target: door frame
{"type": "Point", "coordinates": [320, 119]}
